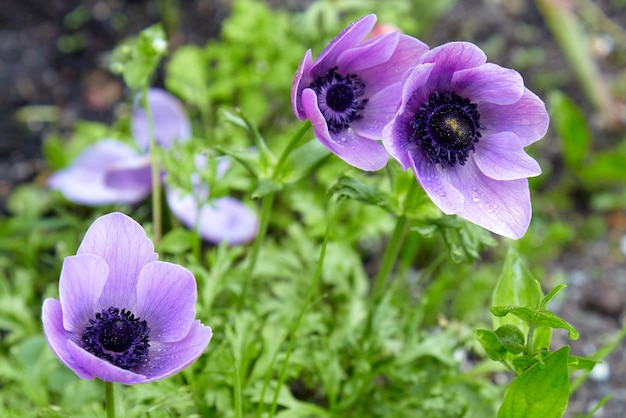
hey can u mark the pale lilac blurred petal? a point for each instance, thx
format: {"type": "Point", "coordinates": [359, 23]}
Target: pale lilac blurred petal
{"type": "Point", "coordinates": [166, 298]}
{"type": "Point", "coordinates": [224, 219]}
{"type": "Point", "coordinates": [130, 174]}
{"type": "Point", "coordinates": [170, 120]}
{"type": "Point", "coordinates": [84, 181]}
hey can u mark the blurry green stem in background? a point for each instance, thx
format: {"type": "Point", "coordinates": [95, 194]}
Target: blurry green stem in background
{"type": "Point", "coordinates": [568, 33]}
{"type": "Point", "coordinates": [156, 180]}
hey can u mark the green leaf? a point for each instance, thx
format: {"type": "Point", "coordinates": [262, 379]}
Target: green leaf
{"type": "Point", "coordinates": [176, 241]}
{"type": "Point", "coordinates": [570, 123]}
{"type": "Point", "coordinates": [511, 338]}
{"type": "Point", "coordinates": [138, 57]}
{"type": "Point", "coordinates": [186, 75]}
{"type": "Point", "coordinates": [351, 188]}
{"type": "Point", "coordinates": [515, 287]}
{"type": "Point", "coordinates": [547, 298]}
{"type": "Point", "coordinates": [265, 187]}
{"type": "Point", "coordinates": [266, 158]}
{"type": "Point", "coordinates": [302, 160]}
{"type": "Point", "coordinates": [537, 317]}
{"type": "Point", "coordinates": [542, 391]}
{"type": "Point", "coordinates": [491, 344]}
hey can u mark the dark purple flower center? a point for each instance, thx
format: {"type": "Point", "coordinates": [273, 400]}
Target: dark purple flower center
{"type": "Point", "coordinates": [339, 98]}
{"type": "Point", "coordinates": [118, 337]}
{"type": "Point", "coordinates": [446, 127]}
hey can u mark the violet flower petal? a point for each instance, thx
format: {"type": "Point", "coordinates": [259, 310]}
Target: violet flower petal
{"type": "Point", "coordinates": [363, 153]}
{"type": "Point", "coordinates": [84, 181]}
{"type": "Point", "coordinates": [167, 359]}
{"type": "Point", "coordinates": [301, 80]}
{"type": "Point", "coordinates": [502, 207]}
{"type": "Point", "coordinates": [489, 83]}
{"type": "Point", "coordinates": [95, 367]}
{"type": "Point", "coordinates": [437, 185]}
{"type": "Point", "coordinates": [347, 38]}
{"type": "Point", "coordinates": [380, 109]}
{"type": "Point", "coordinates": [115, 237]}
{"type": "Point", "coordinates": [166, 298]}
{"type": "Point", "coordinates": [449, 58]}
{"type": "Point", "coordinates": [81, 283]}
{"type": "Point", "coordinates": [169, 118]}
{"type": "Point", "coordinates": [397, 134]}
{"type": "Point", "coordinates": [371, 53]}
{"type": "Point", "coordinates": [527, 118]}
{"type": "Point", "coordinates": [57, 336]}
{"type": "Point", "coordinates": [502, 157]}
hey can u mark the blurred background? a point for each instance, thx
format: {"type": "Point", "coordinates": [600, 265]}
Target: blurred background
{"type": "Point", "coordinates": [572, 53]}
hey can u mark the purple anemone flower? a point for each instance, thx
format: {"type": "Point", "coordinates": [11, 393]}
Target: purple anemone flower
{"type": "Point", "coordinates": [106, 172]}
{"type": "Point", "coordinates": [169, 118]}
{"type": "Point", "coordinates": [111, 172]}
{"type": "Point", "coordinates": [224, 219]}
{"type": "Point", "coordinates": [123, 316]}
{"type": "Point", "coordinates": [462, 127]}
{"type": "Point", "coordinates": [352, 90]}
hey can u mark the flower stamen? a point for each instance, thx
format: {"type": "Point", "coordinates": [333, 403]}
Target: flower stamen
{"type": "Point", "coordinates": [339, 98]}
{"type": "Point", "coordinates": [447, 127]}
{"type": "Point", "coordinates": [118, 337]}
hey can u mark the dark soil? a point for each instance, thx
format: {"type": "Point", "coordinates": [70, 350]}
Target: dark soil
{"type": "Point", "coordinates": [52, 70]}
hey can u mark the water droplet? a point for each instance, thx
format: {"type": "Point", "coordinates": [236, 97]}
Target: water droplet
{"type": "Point", "coordinates": [475, 199]}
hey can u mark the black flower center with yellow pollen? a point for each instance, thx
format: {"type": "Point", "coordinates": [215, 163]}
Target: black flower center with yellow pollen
{"type": "Point", "coordinates": [446, 127]}
{"type": "Point", "coordinates": [118, 337]}
{"type": "Point", "coordinates": [339, 98]}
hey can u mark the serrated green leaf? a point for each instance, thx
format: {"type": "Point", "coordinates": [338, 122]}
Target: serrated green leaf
{"type": "Point", "coordinates": [542, 391]}
{"type": "Point", "coordinates": [352, 188]}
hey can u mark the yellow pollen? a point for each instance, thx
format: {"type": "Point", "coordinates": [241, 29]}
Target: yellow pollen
{"type": "Point", "coordinates": [453, 124]}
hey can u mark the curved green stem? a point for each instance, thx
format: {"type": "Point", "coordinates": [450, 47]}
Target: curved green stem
{"type": "Point", "coordinates": [293, 143]}
{"type": "Point", "coordinates": [156, 178]}
{"type": "Point", "coordinates": [266, 208]}
{"type": "Point", "coordinates": [389, 259]}
{"type": "Point", "coordinates": [266, 211]}
{"type": "Point", "coordinates": [109, 399]}
{"type": "Point", "coordinates": [305, 305]}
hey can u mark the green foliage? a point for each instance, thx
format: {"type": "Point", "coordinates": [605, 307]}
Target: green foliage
{"type": "Point", "coordinates": [352, 354]}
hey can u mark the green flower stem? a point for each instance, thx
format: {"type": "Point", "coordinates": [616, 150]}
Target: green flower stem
{"type": "Point", "coordinates": [293, 143]}
{"type": "Point", "coordinates": [266, 209]}
{"type": "Point", "coordinates": [389, 259]}
{"type": "Point", "coordinates": [238, 397]}
{"type": "Point", "coordinates": [157, 213]}
{"type": "Point", "coordinates": [109, 399]}
{"type": "Point", "coordinates": [305, 305]}
{"type": "Point", "coordinates": [530, 339]}
{"type": "Point", "coordinates": [393, 248]}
